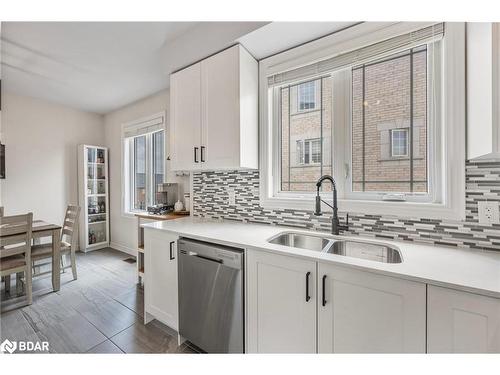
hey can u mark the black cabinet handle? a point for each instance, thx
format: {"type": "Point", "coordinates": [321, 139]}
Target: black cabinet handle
{"type": "Point", "coordinates": [323, 302]}
{"type": "Point", "coordinates": [308, 297]}
{"type": "Point", "coordinates": [172, 250]}
{"type": "Point", "coordinates": [196, 154]}
{"type": "Point", "coordinates": [202, 154]}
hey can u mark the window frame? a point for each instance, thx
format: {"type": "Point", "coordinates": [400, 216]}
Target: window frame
{"type": "Point", "coordinates": [315, 99]}
{"type": "Point", "coordinates": [304, 143]}
{"type": "Point", "coordinates": [407, 143]}
{"type": "Point", "coordinates": [128, 164]}
{"type": "Point", "coordinates": [133, 166]}
{"type": "Point", "coordinates": [448, 200]}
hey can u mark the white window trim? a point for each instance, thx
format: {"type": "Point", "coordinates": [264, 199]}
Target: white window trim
{"type": "Point", "coordinates": [451, 196]}
{"type": "Point", "coordinates": [125, 162]}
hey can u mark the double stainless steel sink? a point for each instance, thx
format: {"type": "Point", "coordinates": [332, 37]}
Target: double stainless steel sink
{"type": "Point", "coordinates": [357, 249]}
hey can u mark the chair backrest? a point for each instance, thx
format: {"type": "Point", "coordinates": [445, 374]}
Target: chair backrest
{"type": "Point", "coordinates": [15, 235]}
{"type": "Point", "coordinates": [70, 226]}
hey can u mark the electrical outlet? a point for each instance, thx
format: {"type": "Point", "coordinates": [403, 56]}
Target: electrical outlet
{"type": "Point", "coordinates": [489, 212]}
{"type": "Point", "coordinates": [231, 197]}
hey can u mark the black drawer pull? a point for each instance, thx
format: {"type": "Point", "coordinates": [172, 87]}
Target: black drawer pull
{"type": "Point", "coordinates": [172, 250]}
{"type": "Point", "coordinates": [308, 297]}
{"type": "Point", "coordinates": [196, 154]}
{"type": "Point", "coordinates": [202, 154]}
{"type": "Point", "coordinates": [323, 285]}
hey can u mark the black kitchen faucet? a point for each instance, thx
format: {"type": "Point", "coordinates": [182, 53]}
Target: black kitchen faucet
{"type": "Point", "coordinates": [335, 218]}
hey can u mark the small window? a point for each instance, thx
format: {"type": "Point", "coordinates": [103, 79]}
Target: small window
{"type": "Point", "coordinates": [307, 96]}
{"type": "Point", "coordinates": [309, 151]}
{"type": "Point", "coordinates": [315, 147]}
{"type": "Point", "coordinates": [399, 143]}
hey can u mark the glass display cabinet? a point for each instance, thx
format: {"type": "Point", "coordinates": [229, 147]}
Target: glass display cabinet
{"type": "Point", "coordinates": [93, 197]}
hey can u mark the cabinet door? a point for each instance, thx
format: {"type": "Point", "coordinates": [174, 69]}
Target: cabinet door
{"type": "Point", "coordinates": [185, 115]}
{"type": "Point", "coordinates": [364, 312]}
{"type": "Point", "coordinates": [279, 316]}
{"type": "Point", "coordinates": [460, 322]}
{"type": "Point", "coordinates": [160, 277]}
{"type": "Point", "coordinates": [220, 105]}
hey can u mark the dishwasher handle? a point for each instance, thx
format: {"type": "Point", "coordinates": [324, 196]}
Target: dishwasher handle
{"type": "Point", "coordinates": [195, 254]}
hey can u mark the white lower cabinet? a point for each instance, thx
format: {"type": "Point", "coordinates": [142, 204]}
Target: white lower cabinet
{"type": "Point", "coordinates": [362, 312]}
{"type": "Point", "coordinates": [281, 310]}
{"type": "Point", "coordinates": [460, 322]}
{"type": "Point", "coordinates": [160, 278]}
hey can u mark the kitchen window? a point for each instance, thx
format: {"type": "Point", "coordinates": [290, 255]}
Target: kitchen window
{"type": "Point", "coordinates": [143, 162]}
{"type": "Point", "coordinates": [380, 125]}
{"type": "Point", "coordinates": [389, 112]}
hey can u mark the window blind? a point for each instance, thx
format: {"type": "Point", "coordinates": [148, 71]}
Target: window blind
{"type": "Point", "coordinates": [362, 55]}
{"type": "Point", "coordinates": [144, 127]}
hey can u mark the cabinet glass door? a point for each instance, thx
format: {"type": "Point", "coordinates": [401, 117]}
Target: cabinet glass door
{"type": "Point", "coordinates": [96, 195]}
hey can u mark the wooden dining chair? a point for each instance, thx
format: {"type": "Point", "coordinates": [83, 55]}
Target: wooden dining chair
{"type": "Point", "coordinates": [15, 248]}
{"type": "Point", "coordinates": [69, 240]}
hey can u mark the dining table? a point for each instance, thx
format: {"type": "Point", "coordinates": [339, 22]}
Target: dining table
{"type": "Point", "coordinates": [42, 229]}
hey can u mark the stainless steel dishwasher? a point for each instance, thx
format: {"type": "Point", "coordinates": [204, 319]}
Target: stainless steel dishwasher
{"type": "Point", "coordinates": [211, 296]}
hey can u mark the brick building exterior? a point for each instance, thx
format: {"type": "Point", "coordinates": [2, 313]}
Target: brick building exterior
{"type": "Point", "coordinates": [389, 108]}
{"type": "Point", "coordinates": [305, 125]}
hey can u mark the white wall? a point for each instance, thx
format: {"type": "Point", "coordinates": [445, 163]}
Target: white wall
{"type": "Point", "coordinates": [124, 227]}
{"type": "Point", "coordinates": [41, 141]}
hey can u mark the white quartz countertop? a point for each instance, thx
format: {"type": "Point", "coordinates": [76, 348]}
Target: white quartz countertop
{"type": "Point", "coordinates": [474, 271]}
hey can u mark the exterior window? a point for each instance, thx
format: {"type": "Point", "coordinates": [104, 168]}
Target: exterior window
{"type": "Point", "coordinates": [309, 151]}
{"type": "Point", "coordinates": [145, 169]}
{"type": "Point", "coordinates": [315, 150]}
{"type": "Point", "coordinates": [306, 94]}
{"type": "Point", "coordinates": [139, 179]}
{"type": "Point", "coordinates": [305, 137]}
{"type": "Point", "coordinates": [158, 143]}
{"type": "Point", "coordinates": [399, 142]}
{"type": "Point", "coordinates": [389, 124]}
{"type": "Point", "coordinates": [388, 127]}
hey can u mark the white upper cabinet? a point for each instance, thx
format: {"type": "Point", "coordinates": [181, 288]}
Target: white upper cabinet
{"type": "Point", "coordinates": [281, 309]}
{"type": "Point", "coordinates": [361, 312]}
{"type": "Point", "coordinates": [185, 118]}
{"type": "Point", "coordinates": [483, 90]}
{"type": "Point", "coordinates": [459, 322]}
{"type": "Point", "coordinates": [214, 113]}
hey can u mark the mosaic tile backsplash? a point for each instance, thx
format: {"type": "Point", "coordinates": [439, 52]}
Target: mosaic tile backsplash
{"type": "Point", "coordinates": [210, 200]}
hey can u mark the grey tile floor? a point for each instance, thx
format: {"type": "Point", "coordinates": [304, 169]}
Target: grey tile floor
{"type": "Point", "coordinates": [101, 312]}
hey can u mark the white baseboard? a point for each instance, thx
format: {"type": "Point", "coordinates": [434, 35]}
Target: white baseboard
{"type": "Point", "coordinates": [123, 249]}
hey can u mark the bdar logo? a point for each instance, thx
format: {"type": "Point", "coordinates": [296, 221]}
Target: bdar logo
{"type": "Point", "coordinates": [8, 346]}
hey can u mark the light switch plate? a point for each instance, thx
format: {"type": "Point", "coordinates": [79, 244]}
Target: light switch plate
{"type": "Point", "coordinates": [489, 212]}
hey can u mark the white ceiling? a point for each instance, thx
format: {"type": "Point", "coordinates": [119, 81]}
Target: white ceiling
{"type": "Point", "coordinates": [102, 66]}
